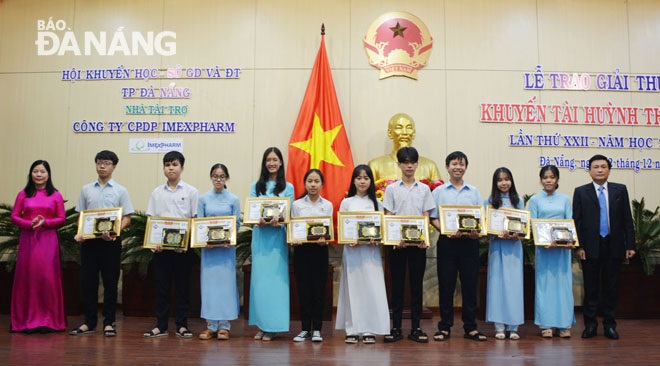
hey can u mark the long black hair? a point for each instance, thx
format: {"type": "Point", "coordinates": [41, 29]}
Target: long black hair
{"type": "Point", "coordinates": [496, 196]}
{"type": "Point", "coordinates": [30, 188]}
{"type": "Point", "coordinates": [554, 171]}
{"type": "Point", "coordinates": [280, 182]}
{"type": "Point", "coordinates": [371, 191]}
{"type": "Point", "coordinates": [305, 180]}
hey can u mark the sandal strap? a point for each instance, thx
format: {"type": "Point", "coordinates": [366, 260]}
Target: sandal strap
{"type": "Point", "coordinates": [418, 336]}
{"type": "Point", "coordinates": [418, 332]}
{"type": "Point", "coordinates": [476, 335]}
{"type": "Point", "coordinates": [369, 339]}
{"type": "Point", "coordinates": [441, 335]}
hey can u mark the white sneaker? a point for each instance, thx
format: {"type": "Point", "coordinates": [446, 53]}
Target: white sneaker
{"type": "Point", "coordinates": [302, 336]}
{"type": "Point", "coordinates": [316, 336]}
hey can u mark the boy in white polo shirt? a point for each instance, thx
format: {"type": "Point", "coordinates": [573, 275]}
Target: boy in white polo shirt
{"type": "Point", "coordinates": [407, 196]}
{"type": "Point", "coordinates": [174, 199]}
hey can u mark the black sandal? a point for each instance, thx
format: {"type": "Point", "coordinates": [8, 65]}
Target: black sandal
{"type": "Point", "coordinates": [441, 335]}
{"type": "Point", "coordinates": [184, 332]}
{"type": "Point", "coordinates": [152, 334]}
{"type": "Point", "coordinates": [369, 339]}
{"type": "Point", "coordinates": [79, 331]}
{"type": "Point", "coordinates": [112, 332]}
{"type": "Point", "coordinates": [418, 336]}
{"type": "Point", "coordinates": [475, 335]}
{"type": "Point", "coordinates": [351, 339]}
{"type": "Point", "coordinates": [395, 335]}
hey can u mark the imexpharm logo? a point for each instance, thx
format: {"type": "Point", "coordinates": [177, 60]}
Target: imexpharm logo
{"type": "Point", "coordinates": [154, 145]}
{"type": "Point", "coordinates": [55, 38]}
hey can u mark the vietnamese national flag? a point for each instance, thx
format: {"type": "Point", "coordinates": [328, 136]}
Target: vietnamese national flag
{"type": "Point", "coordinates": [319, 137]}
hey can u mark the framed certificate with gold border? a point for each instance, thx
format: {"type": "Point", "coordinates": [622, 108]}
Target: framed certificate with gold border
{"type": "Point", "coordinates": [92, 223]}
{"type": "Point", "coordinates": [509, 220]}
{"type": "Point", "coordinates": [169, 232]}
{"type": "Point", "coordinates": [359, 227]}
{"type": "Point", "coordinates": [310, 229]}
{"type": "Point", "coordinates": [413, 230]}
{"type": "Point", "coordinates": [546, 231]}
{"type": "Point", "coordinates": [462, 218]}
{"type": "Point", "coordinates": [266, 208]}
{"type": "Point", "coordinates": [213, 231]}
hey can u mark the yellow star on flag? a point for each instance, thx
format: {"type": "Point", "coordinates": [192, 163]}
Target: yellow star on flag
{"type": "Point", "coordinates": [319, 145]}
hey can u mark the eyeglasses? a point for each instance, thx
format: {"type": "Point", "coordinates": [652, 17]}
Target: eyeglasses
{"type": "Point", "coordinates": [104, 163]}
{"type": "Point", "coordinates": [218, 177]}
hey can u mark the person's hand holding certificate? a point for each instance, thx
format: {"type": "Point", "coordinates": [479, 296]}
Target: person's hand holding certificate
{"type": "Point", "coordinates": [267, 210]}
{"type": "Point", "coordinates": [316, 229]}
{"type": "Point", "coordinates": [355, 228]}
{"type": "Point", "coordinates": [167, 233]}
{"type": "Point", "coordinates": [99, 223]}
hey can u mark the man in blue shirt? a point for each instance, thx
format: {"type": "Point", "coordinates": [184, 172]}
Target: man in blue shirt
{"type": "Point", "coordinates": [457, 253]}
{"type": "Point", "coordinates": [102, 254]}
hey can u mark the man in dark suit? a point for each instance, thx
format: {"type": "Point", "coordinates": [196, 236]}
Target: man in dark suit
{"type": "Point", "coordinates": [604, 225]}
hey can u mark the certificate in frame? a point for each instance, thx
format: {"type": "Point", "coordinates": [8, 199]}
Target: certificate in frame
{"type": "Point", "coordinates": [213, 231]}
{"type": "Point", "coordinates": [509, 220]}
{"type": "Point", "coordinates": [169, 232]}
{"type": "Point", "coordinates": [267, 207]}
{"type": "Point", "coordinates": [463, 218]}
{"type": "Point", "coordinates": [92, 223]}
{"type": "Point", "coordinates": [547, 230]}
{"type": "Point", "coordinates": [413, 230]}
{"type": "Point", "coordinates": [310, 229]}
{"type": "Point", "coordinates": [359, 227]}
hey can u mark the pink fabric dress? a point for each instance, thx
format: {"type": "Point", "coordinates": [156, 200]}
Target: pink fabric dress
{"type": "Point", "coordinates": [37, 300]}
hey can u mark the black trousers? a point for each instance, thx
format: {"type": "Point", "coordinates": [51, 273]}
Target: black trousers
{"type": "Point", "coordinates": [414, 258]}
{"type": "Point", "coordinates": [601, 277]}
{"type": "Point", "coordinates": [458, 256]}
{"type": "Point", "coordinates": [310, 266]}
{"type": "Point", "coordinates": [171, 267]}
{"type": "Point", "coordinates": [98, 255]}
